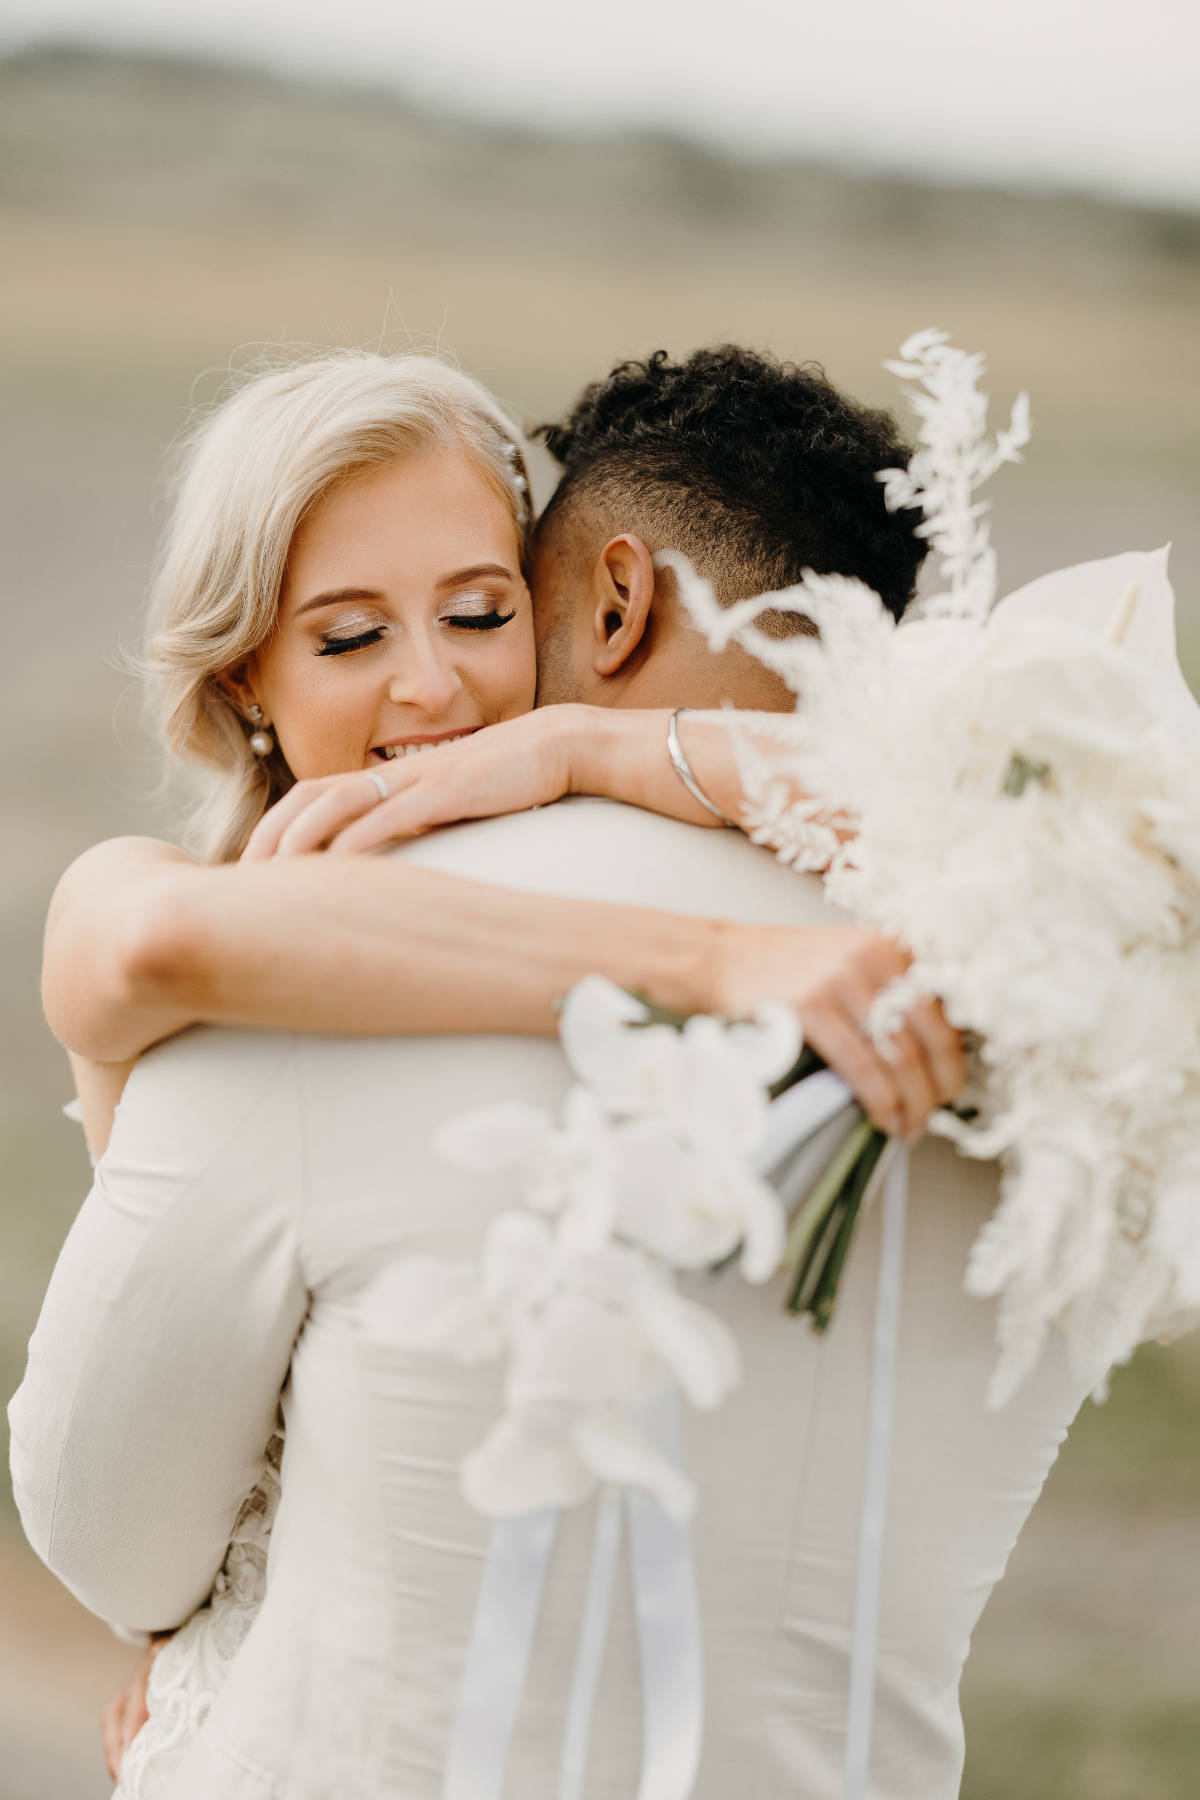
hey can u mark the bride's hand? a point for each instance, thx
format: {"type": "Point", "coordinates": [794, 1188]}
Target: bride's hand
{"type": "Point", "coordinates": [831, 977]}
{"type": "Point", "coordinates": [502, 768]}
{"type": "Point", "coordinates": [127, 1712]}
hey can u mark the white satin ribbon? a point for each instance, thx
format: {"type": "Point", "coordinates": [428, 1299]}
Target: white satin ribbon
{"type": "Point", "coordinates": [606, 1549]}
{"type": "Point", "coordinates": [797, 1115]}
{"type": "Point", "coordinates": [506, 1614]}
{"type": "Point", "coordinates": [667, 1614]}
{"type": "Point", "coordinates": [667, 1610]}
{"type": "Point", "coordinates": [881, 1415]}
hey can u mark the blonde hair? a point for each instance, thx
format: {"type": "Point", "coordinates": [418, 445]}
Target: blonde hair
{"type": "Point", "coordinates": [250, 471]}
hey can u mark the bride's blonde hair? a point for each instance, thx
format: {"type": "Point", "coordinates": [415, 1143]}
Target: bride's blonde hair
{"type": "Point", "coordinates": [250, 470]}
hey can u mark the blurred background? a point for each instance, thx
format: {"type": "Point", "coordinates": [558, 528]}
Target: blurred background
{"type": "Point", "coordinates": [541, 193]}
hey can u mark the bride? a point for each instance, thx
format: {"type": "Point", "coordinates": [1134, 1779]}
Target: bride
{"type": "Point", "coordinates": [342, 601]}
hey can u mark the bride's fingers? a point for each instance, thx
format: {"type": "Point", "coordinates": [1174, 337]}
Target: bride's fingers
{"type": "Point", "coordinates": [312, 811]}
{"type": "Point", "coordinates": [340, 805]}
{"type": "Point", "coordinates": [137, 1713]}
{"type": "Point", "coordinates": [906, 1055]}
{"type": "Point", "coordinates": [264, 839]}
{"type": "Point", "coordinates": [112, 1732]}
{"type": "Point", "coordinates": [434, 796]}
{"type": "Point", "coordinates": [854, 1057]}
{"type": "Point", "coordinates": [943, 1048]}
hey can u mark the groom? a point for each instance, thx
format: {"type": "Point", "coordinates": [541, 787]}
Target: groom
{"type": "Point", "coordinates": [756, 472]}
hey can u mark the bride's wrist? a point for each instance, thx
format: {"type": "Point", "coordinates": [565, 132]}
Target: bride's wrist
{"type": "Point", "coordinates": [610, 751]}
{"type": "Point", "coordinates": [590, 739]}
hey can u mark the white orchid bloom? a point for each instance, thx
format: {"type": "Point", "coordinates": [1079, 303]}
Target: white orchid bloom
{"type": "Point", "coordinates": [608, 1323]}
{"type": "Point", "coordinates": [614, 1450]}
{"type": "Point", "coordinates": [462, 1309]}
{"type": "Point", "coordinates": [603, 1336]}
{"type": "Point", "coordinates": [527, 1461]}
{"type": "Point", "coordinates": [552, 1456]}
{"type": "Point", "coordinates": [557, 1169]}
{"type": "Point", "coordinates": [637, 1068]}
{"type": "Point", "coordinates": [693, 1206]}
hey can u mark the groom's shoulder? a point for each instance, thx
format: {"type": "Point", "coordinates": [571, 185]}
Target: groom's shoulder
{"type": "Point", "coordinates": [204, 1084]}
{"type": "Point", "coordinates": [592, 849]}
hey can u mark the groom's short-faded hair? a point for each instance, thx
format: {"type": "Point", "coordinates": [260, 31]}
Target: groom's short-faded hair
{"type": "Point", "coordinates": [756, 469]}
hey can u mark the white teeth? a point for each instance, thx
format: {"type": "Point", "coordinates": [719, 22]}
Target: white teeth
{"type": "Point", "coordinates": [392, 751]}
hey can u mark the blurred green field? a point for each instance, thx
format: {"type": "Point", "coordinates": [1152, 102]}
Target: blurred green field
{"type": "Point", "coordinates": [158, 223]}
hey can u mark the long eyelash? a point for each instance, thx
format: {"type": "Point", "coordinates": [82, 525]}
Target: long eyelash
{"type": "Point", "coordinates": [338, 646]}
{"type": "Point", "coordinates": [488, 621]}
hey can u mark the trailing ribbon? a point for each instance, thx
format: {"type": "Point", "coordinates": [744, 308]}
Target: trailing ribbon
{"type": "Point", "coordinates": [667, 1614]}
{"type": "Point", "coordinates": [881, 1415]}
{"type": "Point", "coordinates": [506, 1614]}
{"type": "Point", "coordinates": [606, 1549]}
{"type": "Point", "coordinates": [667, 1610]}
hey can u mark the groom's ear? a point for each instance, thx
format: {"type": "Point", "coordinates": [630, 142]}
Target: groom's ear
{"type": "Point", "coordinates": [622, 601]}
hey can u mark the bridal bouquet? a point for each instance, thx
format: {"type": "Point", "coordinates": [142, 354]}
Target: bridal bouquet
{"type": "Point", "coordinates": [1020, 780]}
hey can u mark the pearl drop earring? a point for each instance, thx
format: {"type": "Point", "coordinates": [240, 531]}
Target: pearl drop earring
{"type": "Point", "coordinates": [261, 742]}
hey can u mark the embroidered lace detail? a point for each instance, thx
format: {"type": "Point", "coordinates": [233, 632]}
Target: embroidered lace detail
{"type": "Point", "coordinates": [192, 1667]}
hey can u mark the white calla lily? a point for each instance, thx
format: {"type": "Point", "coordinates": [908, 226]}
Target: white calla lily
{"type": "Point", "coordinates": [1089, 596]}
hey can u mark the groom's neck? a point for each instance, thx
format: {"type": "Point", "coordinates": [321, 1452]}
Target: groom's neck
{"type": "Point", "coordinates": [685, 673]}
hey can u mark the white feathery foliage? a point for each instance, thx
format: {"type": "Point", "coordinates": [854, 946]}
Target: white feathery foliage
{"type": "Point", "coordinates": [1022, 786]}
{"type": "Point", "coordinates": [956, 457]}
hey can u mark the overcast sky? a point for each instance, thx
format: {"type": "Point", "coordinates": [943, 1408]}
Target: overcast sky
{"type": "Point", "coordinates": [1093, 94]}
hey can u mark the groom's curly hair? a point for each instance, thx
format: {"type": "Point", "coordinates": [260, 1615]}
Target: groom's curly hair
{"type": "Point", "coordinates": [756, 469]}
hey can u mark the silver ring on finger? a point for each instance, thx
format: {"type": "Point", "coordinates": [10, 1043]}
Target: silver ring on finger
{"type": "Point", "coordinates": [380, 785]}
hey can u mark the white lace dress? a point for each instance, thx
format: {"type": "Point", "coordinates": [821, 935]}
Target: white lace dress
{"type": "Point", "coordinates": [191, 1668]}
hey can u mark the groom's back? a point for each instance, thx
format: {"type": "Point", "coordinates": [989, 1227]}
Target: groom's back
{"type": "Point", "coordinates": [779, 1468]}
{"type": "Point", "coordinates": [312, 1166]}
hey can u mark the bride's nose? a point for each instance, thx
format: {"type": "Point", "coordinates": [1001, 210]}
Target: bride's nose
{"type": "Point", "coordinates": [427, 680]}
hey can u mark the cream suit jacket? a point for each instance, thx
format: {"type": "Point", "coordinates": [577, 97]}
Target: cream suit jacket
{"type": "Point", "coordinates": [256, 1182]}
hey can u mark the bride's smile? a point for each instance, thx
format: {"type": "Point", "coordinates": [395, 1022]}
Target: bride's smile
{"type": "Point", "coordinates": [404, 619]}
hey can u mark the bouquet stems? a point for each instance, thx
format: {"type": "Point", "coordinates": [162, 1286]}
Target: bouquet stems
{"type": "Point", "coordinates": [823, 1227]}
{"type": "Point", "coordinates": [821, 1233]}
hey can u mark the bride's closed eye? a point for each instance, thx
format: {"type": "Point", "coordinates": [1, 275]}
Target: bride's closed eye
{"type": "Point", "coordinates": [337, 646]}
{"type": "Point", "coordinates": [488, 621]}
{"type": "Point", "coordinates": [332, 643]}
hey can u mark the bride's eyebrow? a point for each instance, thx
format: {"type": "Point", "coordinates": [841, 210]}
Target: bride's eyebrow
{"type": "Point", "coordinates": [330, 599]}
{"type": "Point", "coordinates": [478, 572]}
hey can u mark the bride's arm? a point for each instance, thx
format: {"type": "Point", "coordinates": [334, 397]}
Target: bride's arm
{"type": "Point", "coordinates": [613, 753]}
{"type": "Point", "coordinates": [142, 942]}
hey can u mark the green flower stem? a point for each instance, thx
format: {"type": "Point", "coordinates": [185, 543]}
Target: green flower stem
{"type": "Point", "coordinates": [808, 1062]}
{"type": "Point", "coordinates": [808, 1276]}
{"type": "Point", "coordinates": [825, 1292]}
{"type": "Point", "coordinates": [658, 1015]}
{"type": "Point", "coordinates": [813, 1214]}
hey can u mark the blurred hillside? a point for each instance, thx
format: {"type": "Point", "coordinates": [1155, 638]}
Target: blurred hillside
{"type": "Point", "coordinates": [163, 221]}
{"type": "Point", "coordinates": [158, 214]}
